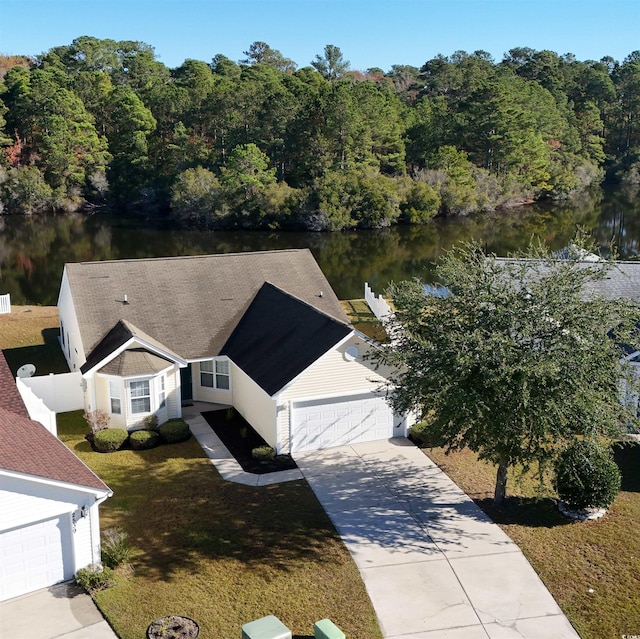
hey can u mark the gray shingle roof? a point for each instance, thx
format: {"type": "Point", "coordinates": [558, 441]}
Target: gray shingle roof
{"type": "Point", "coordinates": [621, 282]}
{"type": "Point", "coordinates": [135, 361]}
{"type": "Point", "coordinates": [192, 304]}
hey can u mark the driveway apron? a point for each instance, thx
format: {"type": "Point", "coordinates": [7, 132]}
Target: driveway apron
{"type": "Point", "coordinates": [434, 565]}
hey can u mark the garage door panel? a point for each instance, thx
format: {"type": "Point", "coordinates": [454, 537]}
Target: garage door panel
{"type": "Point", "coordinates": [34, 557]}
{"type": "Point", "coordinates": [340, 421]}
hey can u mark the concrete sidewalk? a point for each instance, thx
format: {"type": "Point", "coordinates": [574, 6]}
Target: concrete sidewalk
{"type": "Point", "coordinates": [64, 610]}
{"type": "Point", "coordinates": [224, 461]}
{"type": "Point", "coordinates": [434, 565]}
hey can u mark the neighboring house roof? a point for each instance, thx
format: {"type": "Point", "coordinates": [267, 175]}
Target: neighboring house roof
{"type": "Point", "coordinates": [622, 280]}
{"type": "Point", "coordinates": [279, 336]}
{"type": "Point", "coordinates": [28, 448]}
{"type": "Point", "coordinates": [191, 304]}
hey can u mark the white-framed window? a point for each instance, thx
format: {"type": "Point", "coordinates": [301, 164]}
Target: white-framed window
{"type": "Point", "coordinates": [162, 395]}
{"type": "Point", "coordinates": [115, 401]}
{"type": "Point", "coordinates": [214, 373]}
{"type": "Point", "coordinates": [140, 396]}
{"type": "Point", "coordinates": [222, 374]}
{"type": "Point", "coordinates": [207, 378]}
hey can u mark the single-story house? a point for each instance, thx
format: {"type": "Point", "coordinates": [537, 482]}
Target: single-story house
{"type": "Point", "coordinates": [49, 520]}
{"type": "Point", "coordinates": [260, 331]}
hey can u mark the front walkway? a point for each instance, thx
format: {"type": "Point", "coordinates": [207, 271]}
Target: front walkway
{"type": "Point", "coordinates": [434, 565]}
{"type": "Point", "coordinates": [224, 461]}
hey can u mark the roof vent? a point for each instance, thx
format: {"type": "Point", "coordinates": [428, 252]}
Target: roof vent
{"type": "Point", "coordinates": [320, 294]}
{"type": "Point", "coordinates": [125, 300]}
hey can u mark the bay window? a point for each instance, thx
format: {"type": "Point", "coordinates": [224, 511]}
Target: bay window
{"type": "Point", "coordinates": [140, 396]}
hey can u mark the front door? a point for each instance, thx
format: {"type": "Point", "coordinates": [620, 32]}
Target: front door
{"type": "Point", "coordinates": [186, 383]}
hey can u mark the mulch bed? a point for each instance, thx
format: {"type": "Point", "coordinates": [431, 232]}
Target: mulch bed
{"type": "Point", "coordinates": [240, 439]}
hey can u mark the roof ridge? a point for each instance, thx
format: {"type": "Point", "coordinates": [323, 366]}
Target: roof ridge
{"type": "Point", "coordinates": [188, 257]}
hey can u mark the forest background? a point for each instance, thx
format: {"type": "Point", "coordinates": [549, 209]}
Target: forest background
{"type": "Point", "coordinates": [262, 143]}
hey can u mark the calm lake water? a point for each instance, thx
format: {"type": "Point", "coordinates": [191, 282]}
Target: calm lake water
{"type": "Point", "coordinates": [33, 251]}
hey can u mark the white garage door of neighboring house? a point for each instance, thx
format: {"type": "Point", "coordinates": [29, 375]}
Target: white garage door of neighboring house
{"type": "Point", "coordinates": [35, 557]}
{"type": "Point", "coordinates": [338, 421]}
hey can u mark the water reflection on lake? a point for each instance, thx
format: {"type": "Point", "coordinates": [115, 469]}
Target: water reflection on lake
{"type": "Point", "coordinates": [33, 251]}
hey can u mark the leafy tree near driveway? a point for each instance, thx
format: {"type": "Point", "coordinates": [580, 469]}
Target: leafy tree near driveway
{"type": "Point", "coordinates": [514, 361]}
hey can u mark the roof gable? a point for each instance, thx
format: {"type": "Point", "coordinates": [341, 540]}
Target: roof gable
{"type": "Point", "coordinates": [28, 448]}
{"type": "Point", "coordinates": [191, 304]}
{"type": "Point", "coordinates": [280, 336]}
{"type": "Point", "coordinates": [122, 333]}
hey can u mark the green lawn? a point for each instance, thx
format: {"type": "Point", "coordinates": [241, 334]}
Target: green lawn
{"type": "Point", "coordinates": [363, 319]}
{"type": "Point", "coordinates": [218, 552]}
{"type": "Point", "coordinates": [571, 558]}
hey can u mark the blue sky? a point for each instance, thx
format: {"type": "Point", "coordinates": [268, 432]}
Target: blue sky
{"type": "Point", "coordinates": [370, 33]}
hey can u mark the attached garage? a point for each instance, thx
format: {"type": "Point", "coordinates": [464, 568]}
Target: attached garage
{"type": "Point", "coordinates": [49, 500]}
{"type": "Point", "coordinates": [35, 556]}
{"type": "Point", "coordinates": [338, 421]}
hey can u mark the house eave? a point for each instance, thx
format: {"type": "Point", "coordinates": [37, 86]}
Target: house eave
{"type": "Point", "coordinates": [99, 494]}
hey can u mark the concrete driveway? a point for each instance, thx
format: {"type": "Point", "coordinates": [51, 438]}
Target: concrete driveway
{"type": "Point", "coordinates": [434, 565]}
{"type": "Point", "coordinates": [60, 611]}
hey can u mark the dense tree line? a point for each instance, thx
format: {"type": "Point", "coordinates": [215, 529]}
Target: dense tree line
{"type": "Point", "coordinates": [261, 143]}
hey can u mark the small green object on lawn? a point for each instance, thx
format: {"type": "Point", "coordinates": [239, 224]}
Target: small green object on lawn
{"type": "Point", "coordinates": [326, 629]}
{"type": "Point", "coordinates": [268, 627]}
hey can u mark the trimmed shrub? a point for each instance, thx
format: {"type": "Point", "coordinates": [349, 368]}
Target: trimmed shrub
{"type": "Point", "coordinates": [115, 549]}
{"type": "Point", "coordinates": [150, 421]}
{"type": "Point", "coordinates": [586, 476]}
{"type": "Point", "coordinates": [263, 453]}
{"type": "Point", "coordinates": [174, 431]}
{"type": "Point", "coordinates": [94, 579]}
{"type": "Point", "coordinates": [110, 440]}
{"type": "Point", "coordinates": [424, 436]}
{"type": "Point", "coordinates": [143, 439]}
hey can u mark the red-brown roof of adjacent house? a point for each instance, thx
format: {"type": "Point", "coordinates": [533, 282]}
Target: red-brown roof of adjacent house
{"type": "Point", "coordinates": [27, 447]}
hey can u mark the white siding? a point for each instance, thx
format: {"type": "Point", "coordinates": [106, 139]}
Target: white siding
{"type": "Point", "coordinates": [206, 394]}
{"type": "Point", "coordinates": [19, 509]}
{"type": "Point", "coordinates": [103, 400]}
{"type": "Point", "coordinates": [84, 553]}
{"type": "Point", "coordinates": [254, 405]}
{"type": "Point", "coordinates": [73, 348]}
{"type": "Point", "coordinates": [173, 403]}
{"type": "Point", "coordinates": [332, 374]}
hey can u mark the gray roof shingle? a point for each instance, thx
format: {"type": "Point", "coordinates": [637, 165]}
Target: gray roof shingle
{"type": "Point", "coordinates": [192, 304]}
{"type": "Point", "coordinates": [622, 281]}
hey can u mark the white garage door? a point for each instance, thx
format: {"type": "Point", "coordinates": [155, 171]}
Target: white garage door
{"type": "Point", "coordinates": [35, 557]}
{"type": "Point", "coordinates": [323, 423]}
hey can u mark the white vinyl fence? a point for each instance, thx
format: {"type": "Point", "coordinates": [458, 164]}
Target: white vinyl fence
{"type": "Point", "coordinates": [377, 304]}
{"type": "Point", "coordinates": [5, 303]}
{"type": "Point", "coordinates": [36, 408]}
{"type": "Point", "coordinates": [50, 394]}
